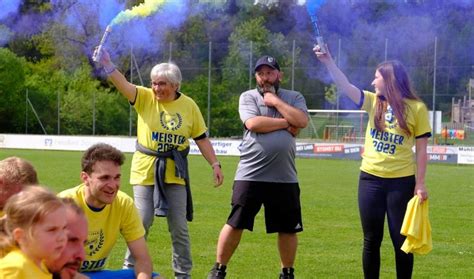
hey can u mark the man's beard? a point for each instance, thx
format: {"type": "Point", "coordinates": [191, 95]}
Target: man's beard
{"type": "Point", "coordinates": [65, 272]}
{"type": "Point", "coordinates": [268, 87]}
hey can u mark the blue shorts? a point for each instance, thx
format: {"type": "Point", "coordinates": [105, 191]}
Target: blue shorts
{"type": "Point", "coordinates": [280, 200]}
{"type": "Point", "coordinates": [116, 274]}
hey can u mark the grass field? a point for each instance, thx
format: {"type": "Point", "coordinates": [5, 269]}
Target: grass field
{"type": "Point", "coordinates": [329, 247]}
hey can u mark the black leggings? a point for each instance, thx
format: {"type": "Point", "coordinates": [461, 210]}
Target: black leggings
{"type": "Point", "coordinates": [378, 196]}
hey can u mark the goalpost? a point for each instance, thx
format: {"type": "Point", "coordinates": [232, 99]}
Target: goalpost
{"type": "Point", "coordinates": [336, 125]}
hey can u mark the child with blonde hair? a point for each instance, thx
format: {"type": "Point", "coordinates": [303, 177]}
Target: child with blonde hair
{"type": "Point", "coordinates": [32, 231]}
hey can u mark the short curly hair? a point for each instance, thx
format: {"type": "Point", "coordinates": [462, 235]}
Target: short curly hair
{"type": "Point", "coordinates": [100, 152]}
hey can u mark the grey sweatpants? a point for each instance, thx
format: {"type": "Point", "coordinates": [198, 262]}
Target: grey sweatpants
{"type": "Point", "coordinates": [177, 225]}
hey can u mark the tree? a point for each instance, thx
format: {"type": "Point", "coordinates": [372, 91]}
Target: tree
{"type": "Point", "coordinates": [12, 95]}
{"type": "Point", "coordinates": [224, 115]}
{"type": "Point", "coordinates": [252, 39]}
{"type": "Point", "coordinates": [82, 97]}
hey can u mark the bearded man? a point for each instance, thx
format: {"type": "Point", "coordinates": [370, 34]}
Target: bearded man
{"type": "Point", "coordinates": [266, 174]}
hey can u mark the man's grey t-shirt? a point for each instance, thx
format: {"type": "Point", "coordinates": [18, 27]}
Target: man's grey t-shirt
{"type": "Point", "coordinates": [267, 157]}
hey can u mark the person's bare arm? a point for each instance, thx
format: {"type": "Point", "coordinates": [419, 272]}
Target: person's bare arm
{"type": "Point", "coordinates": [339, 78]}
{"type": "Point", "coordinates": [143, 265]}
{"type": "Point", "coordinates": [265, 124]}
{"type": "Point", "coordinates": [421, 161]}
{"type": "Point", "coordinates": [127, 89]}
{"type": "Point", "coordinates": [294, 116]}
{"type": "Point", "coordinates": [208, 152]}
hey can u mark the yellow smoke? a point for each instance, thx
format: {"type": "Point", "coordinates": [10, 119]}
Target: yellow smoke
{"type": "Point", "coordinates": [143, 10]}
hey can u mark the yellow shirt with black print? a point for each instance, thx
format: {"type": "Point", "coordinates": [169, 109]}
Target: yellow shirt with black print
{"type": "Point", "coordinates": [389, 153]}
{"type": "Point", "coordinates": [105, 225]}
{"type": "Point", "coordinates": [163, 126]}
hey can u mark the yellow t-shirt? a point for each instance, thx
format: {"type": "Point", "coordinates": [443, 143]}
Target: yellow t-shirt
{"type": "Point", "coordinates": [389, 154]}
{"type": "Point", "coordinates": [1, 213]}
{"type": "Point", "coordinates": [417, 228]}
{"type": "Point", "coordinates": [15, 265]}
{"type": "Point", "coordinates": [120, 217]}
{"type": "Point", "coordinates": [163, 127]}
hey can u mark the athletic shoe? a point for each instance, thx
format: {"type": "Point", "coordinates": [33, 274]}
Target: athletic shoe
{"type": "Point", "coordinates": [287, 273]}
{"type": "Point", "coordinates": [217, 272]}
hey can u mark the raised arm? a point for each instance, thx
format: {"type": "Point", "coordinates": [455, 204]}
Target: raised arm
{"type": "Point", "coordinates": [127, 89]}
{"type": "Point", "coordinates": [342, 82]}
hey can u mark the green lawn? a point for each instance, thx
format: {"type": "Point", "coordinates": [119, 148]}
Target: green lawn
{"type": "Point", "coordinates": [329, 247]}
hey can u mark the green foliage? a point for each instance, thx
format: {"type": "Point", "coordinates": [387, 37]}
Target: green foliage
{"type": "Point", "coordinates": [78, 95]}
{"type": "Point", "coordinates": [224, 116]}
{"type": "Point", "coordinates": [252, 39]}
{"type": "Point", "coordinates": [12, 95]}
{"type": "Point", "coordinates": [45, 81]}
{"type": "Point", "coordinates": [83, 96]}
{"type": "Point", "coordinates": [236, 65]}
{"type": "Point", "coordinates": [12, 74]}
{"type": "Point", "coordinates": [330, 94]}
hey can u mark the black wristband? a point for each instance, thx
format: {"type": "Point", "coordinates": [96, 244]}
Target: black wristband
{"type": "Point", "coordinates": [218, 164]}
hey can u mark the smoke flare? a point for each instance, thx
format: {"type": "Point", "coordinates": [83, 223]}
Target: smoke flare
{"type": "Point", "coordinates": [98, 53]}
{"type": "Point", "coordinates": [143, 10]}
{"type": "Point", "coordinates": [312, 6]}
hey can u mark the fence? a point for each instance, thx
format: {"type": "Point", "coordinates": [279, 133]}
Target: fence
{"type": "Point", "coordinates": [349, 126]}
{"type": "Point", "coordinates": [336, 126]}
{"type": "Point", "coordinates": [436, 84]}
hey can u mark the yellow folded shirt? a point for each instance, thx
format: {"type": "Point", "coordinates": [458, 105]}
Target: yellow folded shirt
{"type": "Point", "coordinates": [416, 227]}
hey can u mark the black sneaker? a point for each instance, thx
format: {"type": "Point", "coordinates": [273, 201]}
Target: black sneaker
{"type": "Point", "coordinates": [287, 273]}
{"type": "Point", "coordinates": [217, 272]}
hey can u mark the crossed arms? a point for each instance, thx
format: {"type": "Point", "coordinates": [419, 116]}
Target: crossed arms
{"type": "Point", "coordinates": [293, 118]}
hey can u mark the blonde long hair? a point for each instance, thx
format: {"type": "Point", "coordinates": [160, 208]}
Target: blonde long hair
{"type": "Point", "coordinates": [24, 210]}
{"type": "Point", "coordinates": [397, 89]}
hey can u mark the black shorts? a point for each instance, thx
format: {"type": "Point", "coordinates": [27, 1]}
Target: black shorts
{"type": "Point", "coordinates": [280, 200]}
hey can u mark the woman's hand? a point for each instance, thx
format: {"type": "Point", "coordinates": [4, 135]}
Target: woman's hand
{"type": "Point", "coordinates": [104, 60]}
{"type": "Point", "coordinates": [421, 192]}
{"type": "Point", "coordinates": [324, 57]}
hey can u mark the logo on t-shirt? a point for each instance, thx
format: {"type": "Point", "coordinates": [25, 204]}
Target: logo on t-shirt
{"type": "Point", "coordinates": [171, 122]}
{"type": "Point", "coordinates": [389, 117]}
{"type": "Point", "coordinates": [95, 242]}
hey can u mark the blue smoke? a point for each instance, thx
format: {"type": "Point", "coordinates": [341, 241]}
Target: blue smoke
{"type": "Point", "coordinates": [141, 33]}
{"type": "Point", "coordinates": [402, 30]}
{"type": "Point", "coordinates": [108, 10]}
{"type": "Point", "coordinates": [86, 21]}
{"type": "Point", "coordinates": [313, 6]}
{"type": "Point", "coordinates": [9, 7]}
{"type": "Point", "coordinates": [147, 34]}
{"type": "Point", "coordinates": [5, 35]}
